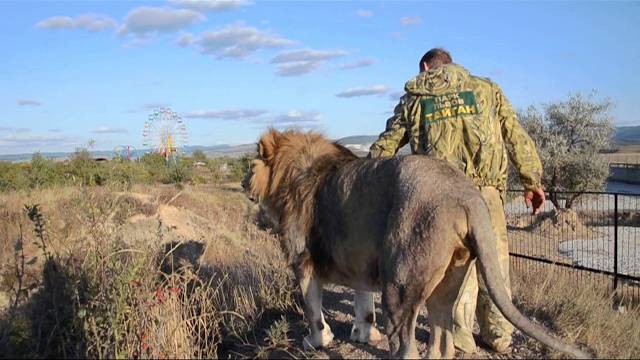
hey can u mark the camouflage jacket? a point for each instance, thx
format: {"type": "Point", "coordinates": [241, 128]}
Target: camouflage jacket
{"type": "Point", "coordinates": [466, 120]}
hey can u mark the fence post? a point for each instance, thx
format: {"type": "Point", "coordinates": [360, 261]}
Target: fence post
{"type": "Point", "coordinates": [615, 242]}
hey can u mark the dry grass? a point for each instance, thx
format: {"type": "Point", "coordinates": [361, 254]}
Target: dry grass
{"type": "Point", "coordinates": [155, 272]}
{"type": "Point", "coordinates": [164, 272]}
{"type": "Point", "coordinates": [629, 154]}
{"type": "Point", "coordinates": [583, 312]}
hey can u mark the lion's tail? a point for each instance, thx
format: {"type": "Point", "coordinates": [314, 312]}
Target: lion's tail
{"type": "Point", "coordinates": [484, 243]}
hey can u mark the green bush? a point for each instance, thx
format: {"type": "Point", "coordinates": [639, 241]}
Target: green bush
{"type": "Point", "coordinates": [43, 172]}
{"type": "Point", "coordinates": [13, 177]}
{"type": "Point", "coordinates": [86, 171]}
{"type": "Point", "coordinates": [240, 167]}
{"type": "Point", "coordinates": [229, 169]}
{"type": "Point", "coordinates": [177, 172]}
{"type": "Point", "coordinates": [124, 173]}
{"type": "Point", "coordinates": [155, 165]}
{"type": "Point", "coordinates": [82, 169]}
{"type": "Point", "coordinates": [199, 155]}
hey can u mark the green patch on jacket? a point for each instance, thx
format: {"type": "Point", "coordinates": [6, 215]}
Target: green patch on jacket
{"type": "Point", "coordinates": [448, 106]}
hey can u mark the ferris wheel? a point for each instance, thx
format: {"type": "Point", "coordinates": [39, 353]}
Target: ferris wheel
{"type": "Point", "coordinates": [164, 133]}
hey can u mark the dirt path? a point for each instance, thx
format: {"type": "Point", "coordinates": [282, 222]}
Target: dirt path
{"type": "Point", "coordinates": [338, 305]}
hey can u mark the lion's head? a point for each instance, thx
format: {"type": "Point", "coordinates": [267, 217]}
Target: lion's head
{"type": "Point", "coordinates": [288, 168]}
{"type": "Point", "coordinates": [256, 180]}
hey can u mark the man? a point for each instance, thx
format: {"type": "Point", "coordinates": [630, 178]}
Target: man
{"type": "Point", "coordinates": [467, 121]}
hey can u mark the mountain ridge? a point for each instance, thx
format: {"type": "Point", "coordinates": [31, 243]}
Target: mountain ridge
{"type": "Point", "coordinates": [624, 135]}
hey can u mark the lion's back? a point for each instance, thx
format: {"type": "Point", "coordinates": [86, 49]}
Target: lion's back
{"type": "Point", "coordinates": [434, 177]}
{"type": "Point", "coordinates": [361, 195]}
{"type": "Point", "coordinates": [365, 200]}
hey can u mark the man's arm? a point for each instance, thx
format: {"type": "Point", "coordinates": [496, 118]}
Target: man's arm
{"type": "Point", "coordinates": [521, 149]}
{"type": "Point", "coordinates": [395, 135]}
{"type": "Point", "coordinates": [522, 152]}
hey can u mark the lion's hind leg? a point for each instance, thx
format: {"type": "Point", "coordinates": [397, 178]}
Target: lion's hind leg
{"type": "Point", "coordinates": [320, 332]}
{"type": "Point", "coordinates": [402, 299]}
{"type": "Point", "coordinates": [364, 328]}
{"type": "Point", "coordinates": [441, 305]}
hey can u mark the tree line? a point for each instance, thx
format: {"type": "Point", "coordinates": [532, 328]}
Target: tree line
{"type": "Point", "coordinates": [81, 169]}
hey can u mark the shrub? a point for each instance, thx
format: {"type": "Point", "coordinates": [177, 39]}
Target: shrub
{"type": "Point", "coordinates": [124, 173]}
{"type": "Point", "coordinates": [199, 155]}
{"type": "Point", "coordinates": [13, 177]}
{"type": "Point", "coordinates": [155, 165]}
{"type": "Point", "coordinates": [569, 135]}
{"type": "Point", "coordinates": [177, 172]}
{"type": "Point", "coordinates": [42, 172]}
{"type": "Point", "coordinates": [84, 170]}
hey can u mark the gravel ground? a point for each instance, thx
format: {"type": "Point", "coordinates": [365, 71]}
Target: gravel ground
{"type": "Point", "coordinates": [599, 253]}
{"type": "Point", "coordinates": [338, 305]}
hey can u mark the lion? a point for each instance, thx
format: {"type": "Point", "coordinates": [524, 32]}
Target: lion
{"type": "Point", "coordinates": [407, 226]}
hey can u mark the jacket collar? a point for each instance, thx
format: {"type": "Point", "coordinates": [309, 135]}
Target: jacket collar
{"type": "Point", "coordinates": [436, 81]}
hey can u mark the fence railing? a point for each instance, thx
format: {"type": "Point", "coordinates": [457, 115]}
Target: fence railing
{"type": "Point", "coordinates": [624, 165]}
{"type": "Point", "coordinates": [597, 239]}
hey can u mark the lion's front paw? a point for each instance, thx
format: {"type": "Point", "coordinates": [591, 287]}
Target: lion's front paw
{"type": "Point", "coordinates": [365, 333]}
{"type": "Point", "coordinates": [318, 340]}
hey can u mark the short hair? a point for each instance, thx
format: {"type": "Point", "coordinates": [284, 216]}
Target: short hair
{"type": "Point", "coordinates": [436, 57]}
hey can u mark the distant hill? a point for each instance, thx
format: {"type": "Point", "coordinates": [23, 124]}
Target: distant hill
{"type": "Point", "coordinates": [358, 139]}
{"type": "Point", "coordinates": [627, 135]}
{"type": "Point", "coordinates": [359, 144]}
{"type": "Point", "coordinates": [212, 151]}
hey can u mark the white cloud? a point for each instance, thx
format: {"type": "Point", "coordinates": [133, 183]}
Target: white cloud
{"type": "Point", "coordinates": [28, 102]}
{"type": "Point", "coordinates": [14, 130]}
{"type": "Point", "coordinates": [303, 61]}
{"type": "Point", "coordinates": [146, 107]}
{"type": "Point", "coordinates": [410, 20]}
{"type": "Point", "coordinates": [307, 55]}
{"type": "Point", "coordinates": [297, 68]}
{"type": "Point", "coordinates": [149, 20]}
{"type": "Point", "coordinates": [357, 64]}
{"type": "Point", "coordinates": [27, 142]}
{"type": "Point", "coordinates": [364, 13]}
{"type": "Point", "coordinates": [363, 91]}
{"type": "Point", "coordinates": [185, 40]}
{"type": "Point", "coordinates": [89, 22]}
{"type": "Point", "coordinates": [297, 118]}
{"type": "Point", "coordinates": [238, 41]}
{"type": "Point", "coordinates": [232, 114]}
{"type": "Point", "coordinates": [210, 5]}
{"type": "Point", "coordinates": [110, 130]}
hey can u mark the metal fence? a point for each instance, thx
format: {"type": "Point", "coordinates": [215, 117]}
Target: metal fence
{"type": "Point", "coordinates": [597, 240]}
{"type": "Point", "coordinates": [625, 172]}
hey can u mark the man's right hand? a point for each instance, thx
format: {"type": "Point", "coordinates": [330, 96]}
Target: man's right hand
{"type": "Point", "coordinates": [535, 199]}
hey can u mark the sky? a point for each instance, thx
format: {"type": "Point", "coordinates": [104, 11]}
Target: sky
{"type": "Point", "coordinates": [71, 72]}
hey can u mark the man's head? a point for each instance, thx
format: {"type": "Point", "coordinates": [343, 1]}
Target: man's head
{"type": "Point", "coordinates": [434, 58]}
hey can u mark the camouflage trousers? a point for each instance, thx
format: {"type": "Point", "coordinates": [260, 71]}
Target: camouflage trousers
{"type": "Point", "coordinates": [495, 330]}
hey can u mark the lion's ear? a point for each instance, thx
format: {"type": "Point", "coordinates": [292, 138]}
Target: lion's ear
{"type": "Point", "coordinates": [268, 143]}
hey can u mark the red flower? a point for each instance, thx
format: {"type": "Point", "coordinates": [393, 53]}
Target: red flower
{"type": "Point", "coordinates": [160, 294]}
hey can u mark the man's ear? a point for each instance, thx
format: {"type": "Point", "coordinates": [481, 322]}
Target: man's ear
{"type": "Point", "coordinates": [424, 67]}
{"type": "Point", "coordinates": [268, 144]}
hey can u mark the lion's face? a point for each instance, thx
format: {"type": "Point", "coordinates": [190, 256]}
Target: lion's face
{"type": "Point", "coordinates": [256, 181]}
